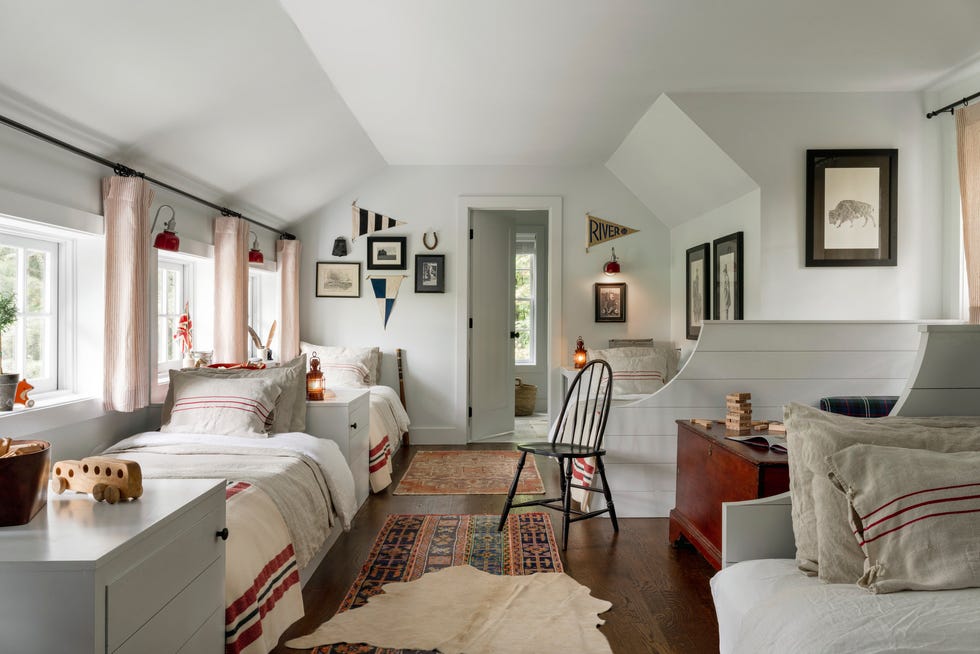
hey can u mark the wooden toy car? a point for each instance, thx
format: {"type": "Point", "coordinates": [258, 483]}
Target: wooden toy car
{"type": "Point", "coordinates": [105, 478]}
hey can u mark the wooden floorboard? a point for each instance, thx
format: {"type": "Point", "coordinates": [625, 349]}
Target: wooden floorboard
{"type": "Point", "coordinates": [660, 594]}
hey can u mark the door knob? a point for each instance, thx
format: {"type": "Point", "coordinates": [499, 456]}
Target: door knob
{"type": "Point", "coordinates": [514, 334]}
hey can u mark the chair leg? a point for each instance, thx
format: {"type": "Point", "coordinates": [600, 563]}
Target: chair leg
{"type": "Point", "coordinates": [513, 490]}
{"type": "Point", "coordinates": [567, 503]}
{"type": "Point", "coordinates": [607, 492]}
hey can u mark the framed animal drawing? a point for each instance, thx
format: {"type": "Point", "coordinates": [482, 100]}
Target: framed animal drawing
{"type": "Point", "coordinates": [851, 207]}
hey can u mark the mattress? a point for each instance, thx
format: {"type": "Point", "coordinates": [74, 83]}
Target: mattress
{"type": "Point", "coordinates": [769, 606]}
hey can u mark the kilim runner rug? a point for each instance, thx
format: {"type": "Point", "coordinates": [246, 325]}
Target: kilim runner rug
{"type": "Point", "coordinates": [464, 472]}
{"type": "Point", "coordinates": [409, 545]}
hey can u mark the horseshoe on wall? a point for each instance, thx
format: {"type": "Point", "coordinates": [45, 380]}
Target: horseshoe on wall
{"type": "Point", "coordinates": [425, 240]}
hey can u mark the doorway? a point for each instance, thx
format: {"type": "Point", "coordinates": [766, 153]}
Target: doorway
{"type": "Point", "coordinates": [512, 323]}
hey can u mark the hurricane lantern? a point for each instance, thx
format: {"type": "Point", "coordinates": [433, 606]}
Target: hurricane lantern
{"type": "Point", "coordinates": [581, 355]}
{"type": "Point", "coordinates": [314, 380]}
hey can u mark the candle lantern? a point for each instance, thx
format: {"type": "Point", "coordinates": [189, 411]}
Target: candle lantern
{"type": "Point", "coordinates": [581, 355]}
{"type": "Point", "coordinates": [314, 380]}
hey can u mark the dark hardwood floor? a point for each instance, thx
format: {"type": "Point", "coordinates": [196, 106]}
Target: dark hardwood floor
{"type": "Point", "coordinates": [660, 595]}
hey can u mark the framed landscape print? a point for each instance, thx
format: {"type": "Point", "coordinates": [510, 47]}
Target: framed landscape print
{"type": "Point", "coordinates": [610, 302]}
{"type": "Point", "coordinates": [851, 207]}
{"type": "Point", "coordinates": [727, 275]}
{"type": "Point", "coordinates": [698, 288]}
{"type": "Point", "coordinates": [335, 279]}
{"type": "Point", "coordinates": [430, 273]}
{"type": "Point", "coordinates": [386, 253]}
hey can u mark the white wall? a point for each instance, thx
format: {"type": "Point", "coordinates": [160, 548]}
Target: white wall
{"type": "Point", "coordinates": [741, 215]}
{"type": "Point", "coordinates": [424, 325]}
{"type": "Point", "coordinates": [767, 135]}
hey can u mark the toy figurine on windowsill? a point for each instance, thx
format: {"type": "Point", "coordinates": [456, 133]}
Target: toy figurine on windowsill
{"type": "Point", "coordinates": [183, 334]}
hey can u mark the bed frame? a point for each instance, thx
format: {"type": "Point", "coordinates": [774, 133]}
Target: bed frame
{"type": "Point", "coordinates": [939, 384]}
{"type": "Point", "coordinates": [777, 361]}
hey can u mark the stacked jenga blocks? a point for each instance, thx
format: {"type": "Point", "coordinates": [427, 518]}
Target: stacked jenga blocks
{"type": "Point", "coordinates": [739, 417]}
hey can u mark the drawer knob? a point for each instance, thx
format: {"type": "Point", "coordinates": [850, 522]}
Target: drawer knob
{"type": "Point", "coordinates": [354, 426]}
{"type": "Point", "coordinates": [223, 534]}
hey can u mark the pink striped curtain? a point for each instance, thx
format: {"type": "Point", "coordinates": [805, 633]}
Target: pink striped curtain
{"type": "Point", "coordinates": [126, 205]}
{"type": "Point", "coordinates": [287, 255]}
{"type": "Point", "coordinates": [230, 290]}
{"type": "Point", "coordinates": [968, 152]}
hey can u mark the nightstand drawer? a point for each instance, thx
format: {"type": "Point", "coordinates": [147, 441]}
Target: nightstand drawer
{"type": "Point", "coordinates": [360, 417]}
{"type": "Point", "coordinates": [182, 617]}
{"type": "Point", "coordinates": [140, 594]}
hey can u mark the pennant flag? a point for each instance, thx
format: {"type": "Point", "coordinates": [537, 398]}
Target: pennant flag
{"type": "Point", "coordinates": [601, 230]}
{"type": "Point", "coordinates": [368, 222]}
{"type": "Point", "coordinates": [386, 290]}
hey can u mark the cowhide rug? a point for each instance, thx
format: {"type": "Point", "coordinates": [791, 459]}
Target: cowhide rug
{"type": "Point", "coordinates": [462, 609]}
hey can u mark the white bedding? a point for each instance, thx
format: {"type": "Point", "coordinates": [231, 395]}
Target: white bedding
{"type": "Point", "coordinates": [306, 477]}
{"type": "Point", "coordinates": [387, 406]}
{"type": "Point", "coordinates": [770, 606]}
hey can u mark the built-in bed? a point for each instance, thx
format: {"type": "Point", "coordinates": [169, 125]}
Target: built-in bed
{"type": "Point", "coordinates": [777, 361]}
{"type": "Point", "coordinates": [764, 603]}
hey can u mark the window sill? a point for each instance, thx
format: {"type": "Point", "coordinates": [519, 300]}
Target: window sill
{"type": "Point", "coordinates": [50, 411]}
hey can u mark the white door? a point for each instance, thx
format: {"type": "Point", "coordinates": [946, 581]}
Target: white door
{"type": "Point", "coordinates": [491, 309]}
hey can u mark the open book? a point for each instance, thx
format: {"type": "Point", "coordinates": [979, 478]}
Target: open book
{"type": "Point", "coordinates": [769, 441]}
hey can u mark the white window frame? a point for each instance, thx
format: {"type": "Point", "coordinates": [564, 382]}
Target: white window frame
{"type": "Point", "coordinates": [254, 309]}
{"type": "Point", "coordinates": [184, 268]}
{"type": "Point", "coordinates": [533, 312]}
{"type": "Point", "coordinates": [57, 290]}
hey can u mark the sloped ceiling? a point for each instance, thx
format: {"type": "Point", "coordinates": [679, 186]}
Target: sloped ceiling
{"type": "Point", "coordinates": [674, 168]}
{"type": "Point", "coordinates": [282, 105]}
{"type": "Point", "coordinates": [552, 82]}
{"type": "Point", "coordinates": [220, 92]}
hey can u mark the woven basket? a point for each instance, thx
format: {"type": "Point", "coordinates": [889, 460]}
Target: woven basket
{"type": "Point", "coordinates": [525, 396]}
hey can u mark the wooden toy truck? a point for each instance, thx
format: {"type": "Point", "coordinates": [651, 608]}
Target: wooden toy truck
{"type": "Point", "coordinates": [106, 479]}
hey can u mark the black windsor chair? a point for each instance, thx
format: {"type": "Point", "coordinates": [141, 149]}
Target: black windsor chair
{"type": "Point", "coordinates": [577, 434]}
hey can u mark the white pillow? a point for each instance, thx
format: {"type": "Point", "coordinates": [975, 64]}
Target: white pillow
{"type": "Point", "coordinates": [346, 366]}
{"type": "Point", "coordinates": [231, 407]}
{"type": "Point", "coordinates": [636, 370]}
{"type": "Point", "coordinates": [291, 376]}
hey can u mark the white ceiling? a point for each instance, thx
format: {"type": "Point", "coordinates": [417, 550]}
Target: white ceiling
{"type": "Point", "coordinates": [283, 105]}
{"type": "Point", "coordinates": [203, 90]}
{"type": "Point", "coordinates": [563, 81]}
{"type": "Point", "coordinates": [674, 168]}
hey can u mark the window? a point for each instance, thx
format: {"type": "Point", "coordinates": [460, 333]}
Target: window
{"type": "Point", "coordinates": [254, 309]}
{"type": "Point", "coordinates": [524, 299]}
{"type": "Point", "coordinates": [173, 294]}
{"type": "Point", "coordinates": [29, 269]}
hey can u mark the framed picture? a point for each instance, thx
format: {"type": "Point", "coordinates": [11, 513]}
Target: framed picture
{"type": "Point", "coordinates": [386, 253]}
{"type": "Point", "coordinates": [334, 279]}
{"type": "Point", "coordinates": [430, 273]}
{"type": "Point", "coordinates": [610, 302]}
{"type": "Point", "coordinates": [727, 274]}
{"type": "Point", "coordinates": [698, 288]}
{"type": "Point", "coordinates": [851, 207]}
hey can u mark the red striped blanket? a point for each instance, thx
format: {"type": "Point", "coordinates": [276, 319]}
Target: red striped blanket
{"type": "Point", "coordinates": [262, 589]}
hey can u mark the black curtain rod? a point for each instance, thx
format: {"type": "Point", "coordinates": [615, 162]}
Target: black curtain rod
{"type": "Point", "coordinates": [125, 171]}
{"type": "Point", "coordinates": [952, 106]}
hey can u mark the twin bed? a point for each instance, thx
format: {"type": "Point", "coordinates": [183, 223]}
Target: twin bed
{"type": "Point", "coordinates": [764, 602]}
{"type": "Point", "coordinates": [289, 494]}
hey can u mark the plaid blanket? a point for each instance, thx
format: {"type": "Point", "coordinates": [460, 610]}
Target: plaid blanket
{"type": "Point", "coordinates": [859, 406]}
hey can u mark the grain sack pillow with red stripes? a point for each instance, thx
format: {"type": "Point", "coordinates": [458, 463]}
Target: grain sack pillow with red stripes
{"type": "Point", "coordinates": [636, 370]}
{"type": "Point", "coordinates": [914, 513]}
{"type": "Point", "coordinates": [229, 407]}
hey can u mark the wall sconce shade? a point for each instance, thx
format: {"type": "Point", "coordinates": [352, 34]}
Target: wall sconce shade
{"type": "Point", "coordinates": [314, 380]}
{"type": "Point", "coordinates": [255, 254]}
{"type": "Point", "coordinates": [612, 266]}
{"type": "Point", "coordinates": [581, 354]}
{"type": "Point", "coordinates": [167, 239]}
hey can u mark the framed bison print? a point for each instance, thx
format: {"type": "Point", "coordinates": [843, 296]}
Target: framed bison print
{"type": "Point", "coordinates": [851, 207]}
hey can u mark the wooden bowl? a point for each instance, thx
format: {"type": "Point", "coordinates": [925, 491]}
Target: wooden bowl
{"type": "Point", "coordinates": [24, 484]}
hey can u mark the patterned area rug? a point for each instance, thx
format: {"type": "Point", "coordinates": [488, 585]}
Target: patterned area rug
{"type": "Point", "coordinates": [410, 545]}
{"type": "Point", "coordinates": [463, 472]}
